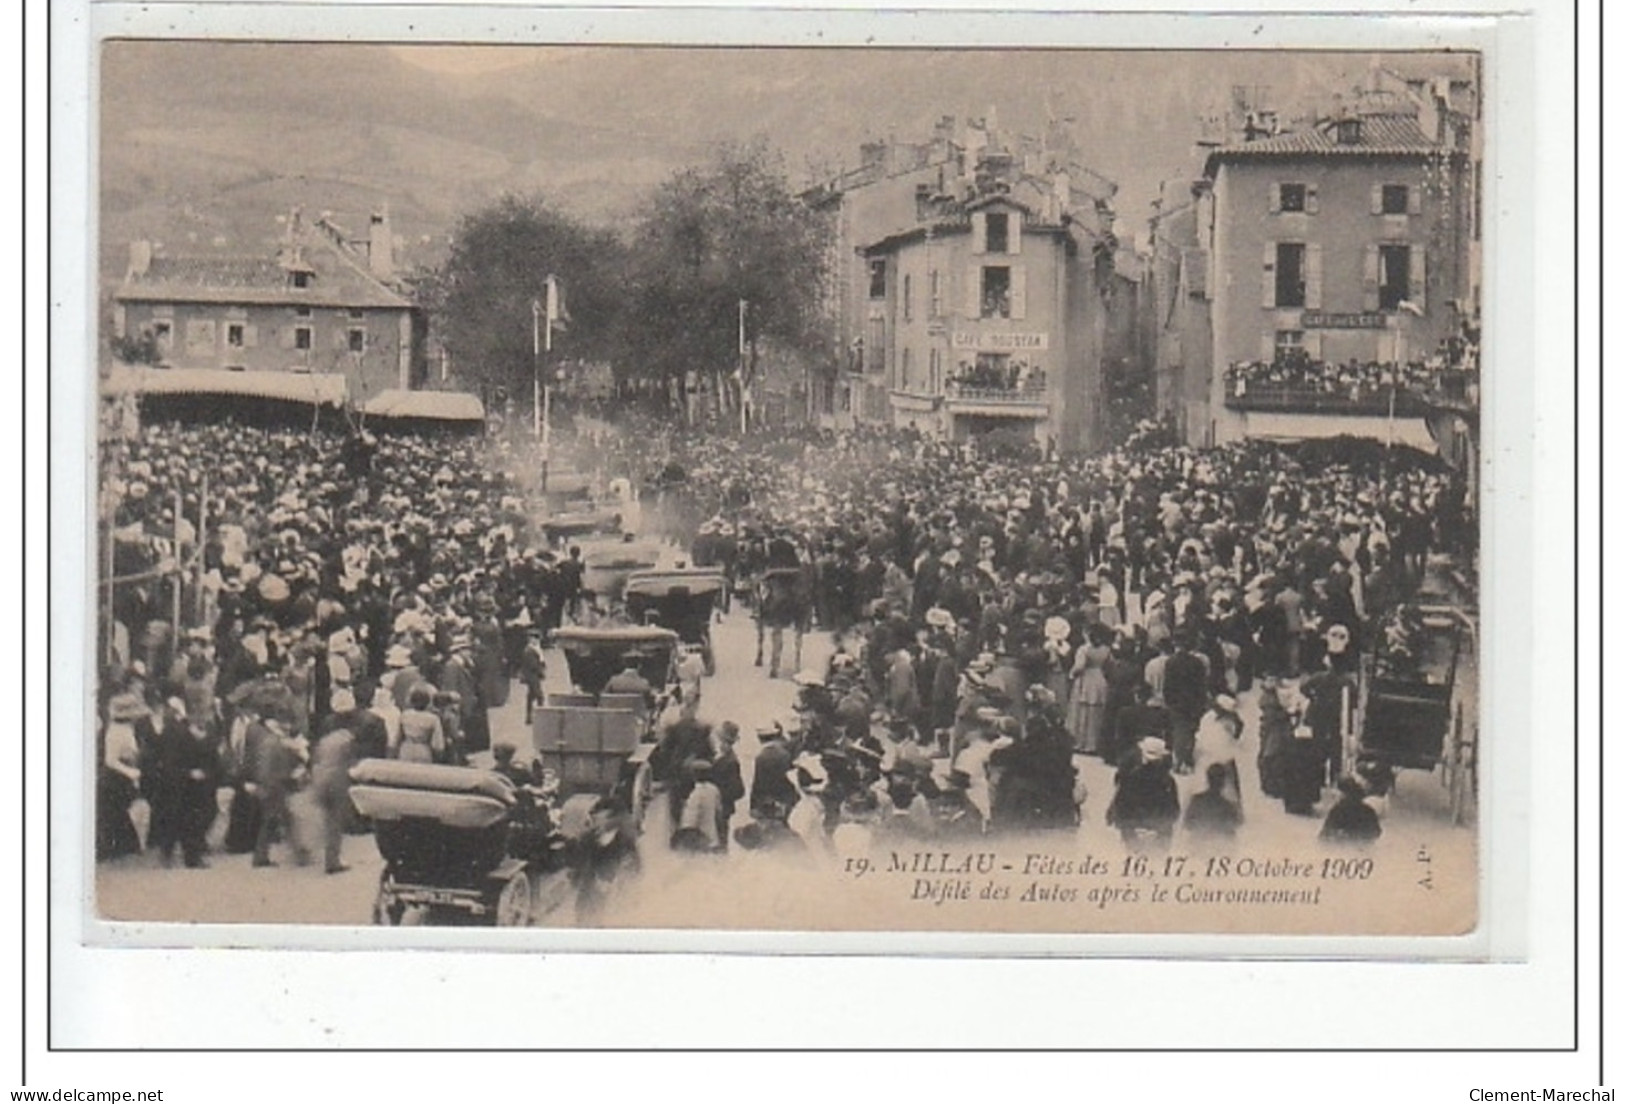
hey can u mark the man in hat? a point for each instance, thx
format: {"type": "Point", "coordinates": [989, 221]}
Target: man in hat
{"type": "Point", "coordinates": [533, 672]}
{"type": "Point", "coordinates": [460, 676]}
{"type": "Point", "coordinates": [772, 794]}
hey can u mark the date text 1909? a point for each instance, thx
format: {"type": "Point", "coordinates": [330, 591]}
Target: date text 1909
{"type": "Point", "coordinates": [941, 862]}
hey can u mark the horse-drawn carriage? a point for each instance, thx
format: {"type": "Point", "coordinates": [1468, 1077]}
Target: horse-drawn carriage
{"type": "Point", "coordinates": [1411, 714]}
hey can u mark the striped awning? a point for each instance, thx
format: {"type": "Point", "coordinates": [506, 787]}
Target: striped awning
{"type": "Point", "coordinates": [441, 406]}
{"type": "Point", "coordinates": [315, 388]}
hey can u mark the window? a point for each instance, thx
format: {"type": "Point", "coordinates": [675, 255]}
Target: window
{"type": "Point", "coordinates": [235, 338]}
{"type": "Point", "coordinates": [1348, 132]}
{"type": "Point", "coordinates": [877, 279]}
{"type": "Point", "coordinates": [1396, 199]}
{"type": "Point", "coordinates": [934, 382]}
{"type": "Point", "coordinates": [1393, 276]}
{"type": "Point", "coordinates": [936, 293]}
{"type": "Point", "coordinates": [357, 313]}
{"type": "Point", "coordinates": [1288, 343]}
{"type": "Point", "coordinates": [908, 298]}
{"type": "Point", "coordinates": [301, 312]}
{"type": "Point", "coordinates": [162, 331]}
{"type": "Point", "coordinates": [302, 338]}
{"type": "Point", "coordinates": [998, 232]}
{"type": "Point", "coordinates": [358, 339]}
{"type": "Point", "coordinates": [1294, 197]}
{"type": "Point", "coordinates": [996, 291]}
{"type": "Point", "coordinates": [1290, 283]}
{"type": "Point", "coordinates": [301, 279]}
{"type": "Point", "coordinates": [907, 374]}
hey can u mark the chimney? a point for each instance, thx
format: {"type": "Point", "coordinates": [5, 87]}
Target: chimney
{"type": "Point", "coordinates": [140, 259]}
{"type": "Point", "coordinates": [381, 247]}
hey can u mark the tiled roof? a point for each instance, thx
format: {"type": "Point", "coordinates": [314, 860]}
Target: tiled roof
{"type": "Point", "coordinates": [338, 280]}
{"type": "Point", "coordinates": [216, 272]}
{"type": "Point", "coordinates": [1380, 135]}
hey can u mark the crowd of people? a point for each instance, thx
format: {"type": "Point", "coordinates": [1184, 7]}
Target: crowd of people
{"type": "Point", "coordinates": [998, 614]}
{"type": "Point", "coordinates": [998, 373]}
{"type": "Point", "coordinates": [387, 588]}
{"type": "Point", "coordinates": [995, 617]}
{"type": "Point", "coordinates": [1352, 380]}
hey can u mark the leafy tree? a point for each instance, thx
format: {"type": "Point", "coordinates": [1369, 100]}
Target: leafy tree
{"type": "Point", "coordinates": [714, 235]}
{"type": "Point", "coordinates": [480, 299]}
{"type": "Point", "coordinates": [141, 348]}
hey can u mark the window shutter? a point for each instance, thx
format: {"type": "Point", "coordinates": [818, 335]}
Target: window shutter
{"type": "Point", "coordinates": [1269, 275]}
{"type": "Point", "coordinates": [1311, 276]}
{"type": "Point", "coordinates": [1413, 199]}
{"type": "Point", "coordinates": [1370, 278]}
{"type": "Point", "coordinates": [1275, 199]}
{"type": "Point", "coordinates": [1311, 343]}
{"type": "Point", "coordinates": [1376, 199]}
{"type": "Point", "coordinates": [973, 291]}
{"type": "Point", "coordinates": [1311, 199]}
{"type": "Point", "coordinates": [1015, 232]}
{"type": "Point", "coordinates": [978, 233]}
{"type": "Point", "coordinates": [1419, 277]}
{"type": "Point", "coordinates": [1018, 291]}
{"type": "Point", "coordinates": [251, 336]}
{"type": "Point", "coordinates": [1266, 346]}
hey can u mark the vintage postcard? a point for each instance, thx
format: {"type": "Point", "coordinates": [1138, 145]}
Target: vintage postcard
{"type": "Point", "coordinates": [787, 489]}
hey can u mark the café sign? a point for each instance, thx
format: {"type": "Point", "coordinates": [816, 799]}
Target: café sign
{"type": "Point", "coordinates": [1000, 342]}
{"type": "Point", "coordinates": [1340, 320]}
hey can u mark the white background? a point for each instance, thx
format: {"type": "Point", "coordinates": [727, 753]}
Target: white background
{"type": "Point", "coordinates": [122, 997]}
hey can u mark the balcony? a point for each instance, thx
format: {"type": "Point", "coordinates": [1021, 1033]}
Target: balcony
{"type": "Point", "coordinates": [1028, 401]}
{"type": "Point", "coordinates": [1316, 388]}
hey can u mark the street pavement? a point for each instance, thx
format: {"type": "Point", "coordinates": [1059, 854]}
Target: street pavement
{"type": "Point", "coordinates": [685, 891]}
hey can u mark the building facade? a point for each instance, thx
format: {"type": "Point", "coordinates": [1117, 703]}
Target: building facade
{"type": "Point", "coordinates": [1315, 274]}
{"type": "Point", "coordinates": [972, 281]}
{"type": "Point", "coordinates": [325, 306]}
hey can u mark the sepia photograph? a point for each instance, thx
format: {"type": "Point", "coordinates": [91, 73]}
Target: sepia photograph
{"type": "Point", "coordinates": [786, 489]}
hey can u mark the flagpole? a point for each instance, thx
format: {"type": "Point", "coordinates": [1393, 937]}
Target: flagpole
{"type": "Point", "coordinates": [742, 414]}
{"type": "Point", "coordinates": [536, 366]}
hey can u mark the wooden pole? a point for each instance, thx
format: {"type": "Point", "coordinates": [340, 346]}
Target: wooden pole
{"type": "Point", "coordinates": [202, 542]}
{"type": "Point", "coordinates": [177, 577]}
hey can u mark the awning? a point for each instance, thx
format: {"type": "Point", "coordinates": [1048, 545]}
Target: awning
{"type": "Point", "coordinates": [316, 388]}
{"type": "Point", "coordinates": [441, 406]}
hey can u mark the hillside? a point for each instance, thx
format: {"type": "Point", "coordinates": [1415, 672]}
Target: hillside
{"type": "Point", "coordinates": [204, 145]}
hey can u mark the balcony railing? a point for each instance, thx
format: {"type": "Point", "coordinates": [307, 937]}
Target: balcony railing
{"type": "Point", "coordinates": [1313, 398]}
{"type": "Point", "coordinates": [1031, 393]}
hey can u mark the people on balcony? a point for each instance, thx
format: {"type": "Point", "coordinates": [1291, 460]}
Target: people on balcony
{"type": "Point", "coordinates": [998, 374]}
{"type": "Point", "coordinates": [1294, 372]}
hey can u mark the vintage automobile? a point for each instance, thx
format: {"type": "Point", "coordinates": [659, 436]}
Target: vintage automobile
{"type": "Point", "coordinates": [460, 845]}
{"type": "Point", "coordinates": [681, 599]}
